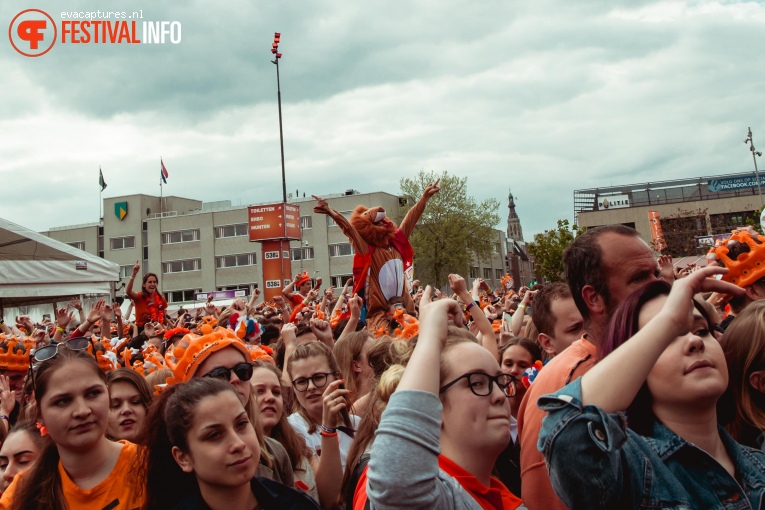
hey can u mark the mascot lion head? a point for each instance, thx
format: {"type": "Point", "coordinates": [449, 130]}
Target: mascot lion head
{"type": "Point", "coordinates": [373, 225]}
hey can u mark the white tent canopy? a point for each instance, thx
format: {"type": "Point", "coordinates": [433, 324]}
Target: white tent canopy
{"type": "Point", "coordinates": [37, 269]}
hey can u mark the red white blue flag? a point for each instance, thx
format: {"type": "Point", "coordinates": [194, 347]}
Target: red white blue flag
{"type": "Point", "coordinates": [163, 174]}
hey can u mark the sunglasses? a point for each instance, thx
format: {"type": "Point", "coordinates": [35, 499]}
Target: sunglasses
{"type": "Point", "coordinates": [242, 370]}
{"type": "Point", "coordinates": [49, 351]}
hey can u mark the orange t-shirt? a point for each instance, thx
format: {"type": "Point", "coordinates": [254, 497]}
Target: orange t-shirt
{"type": "Point", "coordinates": [571, 364]}
{"type": "Point", "coordinates": [142, 308]}
{"type": "Point", "coordinates": [114, 493]}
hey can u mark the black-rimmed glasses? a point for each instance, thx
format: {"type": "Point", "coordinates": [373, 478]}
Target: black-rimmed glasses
{"type": "Point", "coordinates": [242, 370]}
{"type": "Point", "coordinates": [319, 380]}
{"type": "Point", "coordinates": [482, 384]}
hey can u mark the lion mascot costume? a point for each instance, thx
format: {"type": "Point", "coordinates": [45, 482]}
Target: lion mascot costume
{"type": "Point", "coordinates": [382, 262]}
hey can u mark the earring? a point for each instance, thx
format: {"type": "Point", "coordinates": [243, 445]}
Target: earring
{"type": "Point", "coordinates": [42, 428]}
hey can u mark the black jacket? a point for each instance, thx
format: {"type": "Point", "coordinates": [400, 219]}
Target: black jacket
{"type": "Point", "coordinates": [270, 495]}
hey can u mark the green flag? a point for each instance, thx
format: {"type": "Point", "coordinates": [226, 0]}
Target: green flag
{"type": "Point", "coordinates": [101, 181]}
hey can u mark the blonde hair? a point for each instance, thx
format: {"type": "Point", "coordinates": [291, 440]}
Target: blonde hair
{"type": "Point", "coordinates": [347, 350]}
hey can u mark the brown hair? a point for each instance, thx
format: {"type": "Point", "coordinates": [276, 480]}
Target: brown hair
{"type": "Point", "coordinates": [320, 350]}
{"type": "Point", "coordinates": [744, 346]}
{"type": "Point", "coordinates": [41, 488]}
{"type": "Point", "coordinates": [167, 425]}
{"type": "Point", "coordinates": [297, 449]}
{"type": "Point", "coordinates": [144, 293]}
{"type": "Point", "coordinates": [158, 377]}
{"type": "Point", "coordinates": [129, 375]}
{"type": "Point", "coordinates": [347, 350]}
{"type": "Point", "coordinates": [531, 346]}
{"type": "Point", "coordinates": [542, 315]}
{"type": "Point", "coordinates": [455, 336]}
{"type": "Point", "coordinates": [583, 261]}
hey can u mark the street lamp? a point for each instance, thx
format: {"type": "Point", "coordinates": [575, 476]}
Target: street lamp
{"type": "Point", "coordinates": [755, 153]}
{"type": "Point", "coordinates": [275, 51]}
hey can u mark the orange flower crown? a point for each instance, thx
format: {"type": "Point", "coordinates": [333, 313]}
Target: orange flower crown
{"type": "Point", "coordinates": [748, 266]}
{"type": "Point", "coordinates": [14, 353]}
{"type": "Point", "coordinates": [185, 357]}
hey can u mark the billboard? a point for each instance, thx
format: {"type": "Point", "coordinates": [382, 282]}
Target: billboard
{"type": "Point", "coordinates": [273, 221]}
{"type": "Point", "coordinates": [613, 202]}
{"type": "Point", "coordinates": [733, 183]}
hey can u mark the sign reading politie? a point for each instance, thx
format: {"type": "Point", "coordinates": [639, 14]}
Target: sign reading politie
{"type": "Point", "coordinates": [273, 221]}
{"type": "Point", "coordinates": [606, 202]}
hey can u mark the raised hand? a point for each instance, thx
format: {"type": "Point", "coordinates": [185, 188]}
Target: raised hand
{"type": "Point", "coordinates": [322, 207]}
{"type": "Point", "coordinates": [431, 189]}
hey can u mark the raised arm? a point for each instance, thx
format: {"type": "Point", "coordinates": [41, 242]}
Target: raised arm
{"type": "Point", "coordinates": [322, 207]}
{"type": "Point", "coordinates": [488, 337]}
{"type": "Point", "coordinates": [413, 216]}
{"type": "Point", "coordinates": [129, 287]}
{"type": "Point", "coordinates": [614, 382]}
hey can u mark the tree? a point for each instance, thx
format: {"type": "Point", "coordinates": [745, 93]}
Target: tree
{"type": "Point", "coordinates": [453, 229]}
{"type": "Point", "coordinates": [547, 249]}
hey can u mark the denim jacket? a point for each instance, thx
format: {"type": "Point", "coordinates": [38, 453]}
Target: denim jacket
{"type": "Point", "coordinates": [594, 461]}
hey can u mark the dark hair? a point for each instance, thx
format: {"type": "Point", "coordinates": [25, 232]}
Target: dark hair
{"type": "Point", "coordinates": [530, 346]}
{"type": "Point", "coordinates": [624, 325]}
{"type": "Point", "coordinates": [583, 262]}
{"type": "Point", "coordinates": [145, 294]}
{"type": "Point", "coordinates": [270, 332]}
{"type": "Point", "coordinates": [30, 427]}
{"type": "Point", "coordinates": [41, 488]}
{"type": "Point", "coordinates": [130, 376]}
{"type": "Point", "coordinates": [283, 432]}
{"type": "Point", "coordinates": [543, 318]}
{"type": "Point", "coordinates": [167, 425]}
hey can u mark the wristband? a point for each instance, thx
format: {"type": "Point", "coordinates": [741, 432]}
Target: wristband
{"type": "Point", "coordinates": [469, 306]}
{"type": "Point", "coordinates": [4, 417]}
{"type": "Point", "coordinates": [521, 306]}
{"type": "Point", "coordinates": [60, 330]}
{"type": "Point", "coordinates": [328, 430]}
{"type": "Point", "coordinates": [327, 434]}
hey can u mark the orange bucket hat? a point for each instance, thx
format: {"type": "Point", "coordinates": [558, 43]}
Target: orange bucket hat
{"type": "Point", "coordinates": [185, 357]}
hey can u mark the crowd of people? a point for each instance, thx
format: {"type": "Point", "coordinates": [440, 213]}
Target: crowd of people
{"type": "Point", "coordinates": [635, 384]}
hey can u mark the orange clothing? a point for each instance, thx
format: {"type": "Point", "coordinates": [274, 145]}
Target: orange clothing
{"type": "Point", "coordinates": [150, 310]}
{"type": "Point", "coordinates": [495, 497]}
{"type": "Point", "coordinates": [567, 366]}
{"type": "Point", "coordinates": [113, 493]}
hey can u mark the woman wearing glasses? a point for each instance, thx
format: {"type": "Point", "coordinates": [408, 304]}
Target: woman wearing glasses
{"type": "Point", "coordinates": [452, 398]}
{"type": "Point", "coordinates": [220, 354]}
{"type": "Point", "coordinates": [80, 468]}
{"type": "Point", "coordinates": [322, 416]}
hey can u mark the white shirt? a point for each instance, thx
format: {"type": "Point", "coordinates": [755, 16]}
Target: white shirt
{"type": "Point", "coordinates": [314, 440]}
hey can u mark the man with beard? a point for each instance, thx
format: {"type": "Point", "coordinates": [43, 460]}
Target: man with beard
{"type": "Point", "coordinates": [603, 266]}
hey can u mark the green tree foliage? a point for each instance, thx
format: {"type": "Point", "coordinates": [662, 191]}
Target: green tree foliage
{"type": "Point", "coordinates": [547, 249]}
{"type": "Point", "coordinates": [453, 229]}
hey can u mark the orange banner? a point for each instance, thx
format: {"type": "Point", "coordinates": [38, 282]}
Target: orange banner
{"type": "Point", "coordinates": [277, 267]}
{"type": "Point", "coordinates": [656, 233]}
{"type": "Point", "coordinates": [274, 221]}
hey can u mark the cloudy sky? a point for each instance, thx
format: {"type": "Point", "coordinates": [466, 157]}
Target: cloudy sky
{"type": "Point", "coordinates": [542, 96]}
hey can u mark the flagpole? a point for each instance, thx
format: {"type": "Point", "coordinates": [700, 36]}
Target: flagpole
{"type": "Point", "coordinates": [100, 193]}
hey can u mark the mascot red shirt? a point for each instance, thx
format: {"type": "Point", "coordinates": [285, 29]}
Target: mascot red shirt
{"type": "Point", "coordinates": [383, 255]}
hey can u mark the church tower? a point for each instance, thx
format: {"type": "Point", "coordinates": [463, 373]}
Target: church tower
{"type": "Point", "coordinates": [514, 230]}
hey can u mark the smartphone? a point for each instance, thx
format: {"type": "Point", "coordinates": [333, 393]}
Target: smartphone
{"type": "Point", "coordinates": [46, 316]}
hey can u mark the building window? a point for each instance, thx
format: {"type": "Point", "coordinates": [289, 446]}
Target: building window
{"type": "Point", "coordinates": [122, 243]}
{"type": "Point", "coordinates": [473, 272]}
{"type": "Point", "coordinates": [487, 273]}
{"type": "Point", "coordinates": [126, 271]}
{"type": "Point", "coordinates": [305, 253]}
{"type": "Point", "coordinates": [242, 259]}
{"type": "Point", "coordinates": [497, 248]}
{"type": "Point", "coordinates": [80, 245]}
{"type": "Point", "coordinates": [340, 250]}
{"type": "Point", "coordinates": [181, 266]}
{"type": "Point", "coordinates": [331, 222]}
{"type": "Point", "coordinates": [498, 273]}
{"type": "Point", "coordinates": [306, 222]}
{"type": "Point", "coordinates": [180, 236]}
{"type": "Point", "coordinates": [339, 280]}
{"type": "Point", "coordinates": [242, 286]}
{"type": "Point", "coordinates": [231, 230]}
{"type": "Point", "coordinates": [176, 296]}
